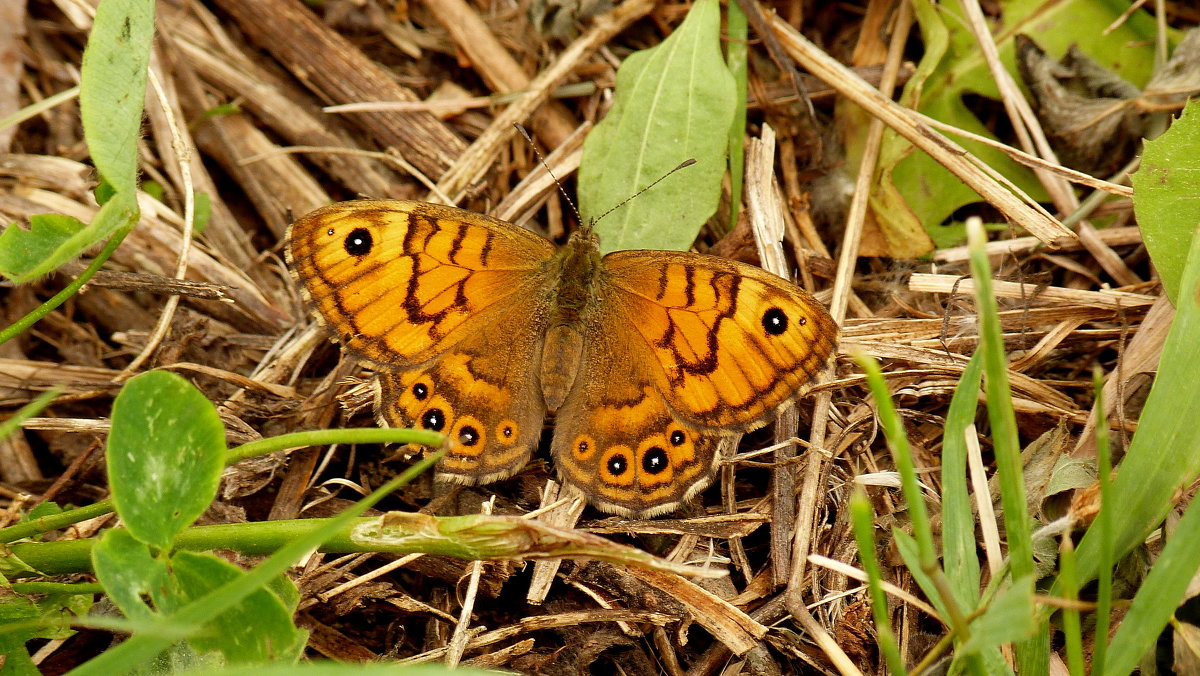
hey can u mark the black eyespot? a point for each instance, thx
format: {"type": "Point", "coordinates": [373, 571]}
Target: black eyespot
{"type": "Point", "coordinates": [330, 232]}
{"type": "Point", "coordinates": [677, 438]}
{"type": "Point", "coordinates": [583, 447]}
{"type": "Point", "coordinates": [468, 436]}
{"type": "Point", "coordinates": [655, 460]}
{"type": "Point", "coordinates": [775, 321]}
{"type": "Point", "coordinates": [358, 242]}
{"type": "Point", "coordinates": [507, 431]}
{"type": "Point", "coordinates": [617, 465]}
{"type": "Point", "coordinates": [802, 321]}
{"type": "Point", "coordinates": [420, 391]}
{"type": "Point", "coordinates": [433, 419]}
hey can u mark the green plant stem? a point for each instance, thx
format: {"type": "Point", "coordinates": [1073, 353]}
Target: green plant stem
{"type": "Point", "coordinates": [1070, 616]}
{"type": "Point", "coordinates": [1103, 523]}
{"type": "Point", "coordinates": [258, 538]}
{"type": "Point", "coordinates": [18, 327]}
{"type": "Point", "coordinates": [57, 588]}
{"type": "Point", "coordinates": [863, 518]}
{"type": "Point", "coordinates": [362, 435]}
{"type": "Point", "coordinates": [46, 524]}
{"type": "Point", "coordinates": [462, 537]}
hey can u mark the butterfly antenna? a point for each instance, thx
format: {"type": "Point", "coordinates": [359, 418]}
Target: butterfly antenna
{"type": "Point", "coordinates": [546, 166]}
{"type": "Point", "coordinates": [660, 179]}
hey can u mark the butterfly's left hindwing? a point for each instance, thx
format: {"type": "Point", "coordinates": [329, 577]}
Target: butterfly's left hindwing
{"type": "Point", "coordinates": [483, 395]}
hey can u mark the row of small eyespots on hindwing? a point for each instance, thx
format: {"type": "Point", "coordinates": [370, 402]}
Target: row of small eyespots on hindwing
{"type": "Point", "coordinates": [428, 410]}
{"type": "Point", "coordinates": [655, 458]}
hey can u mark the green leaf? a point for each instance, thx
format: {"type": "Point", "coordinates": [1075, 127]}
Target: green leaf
{"type": "Point", "coordinates": [58, 611]}
{"type": "Point", "coordinates": [165, 455]}
{"type": "Point", "coordinates": [142, 647]}
{"type": "Point", "coordinates": [1166, 196]}
{"type": "Point", "coordinates": [735, 56]}
{"type": "Point", "coordinates": [26, 255]}
{"type": "Point", "coordinates": [130, 574]}
{"type": "Point", "coordinates": [674, 102]}
{"type": "Point", "coordinates": [910, 554]}
{"type": "Point", "coordinates": [113, 87]}
{"type": "Point", "coordinates": [22, 251]}
{"type": "Point", "coordinates": [953, 68]}
{"type": "Point", "coordinates": [1164, 455]}
{"type": "Point", "coordinates": [256, 629]}
{"type": "Point", "coordinates": [203, 213]}
{"type": "Point", "coordinates": [1160, 594]}
{"type": "Point", "coordinates": [1009, 618]}
{"type": "Point", "coordinates": [18, 624]}
{"type": "Point", "coordinates": [960, 560]}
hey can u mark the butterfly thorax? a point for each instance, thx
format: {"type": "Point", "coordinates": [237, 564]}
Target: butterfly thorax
{"type": "Point", "coordinates": [576, 269]}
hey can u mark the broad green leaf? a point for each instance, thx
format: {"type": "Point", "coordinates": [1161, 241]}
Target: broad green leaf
{"type": "Point", "coordinates": [735, 56]}
{"type": "Point", "coordinates": [18, 624]}
{"type": "Point", "coordinates": [674, 102]}
{"type": "Point", "coordinates": [23, 250]}
{"type": "Point", "coordinates": [945, 78]}
{"type": "Point", "coordinates": [165, 455]}
{"type": "Point", "coordinates": [1166, 196]}
{"type": "Point", "coordinates": [1009, 618]}
{"type": "Point", "coordinates": [53, 240]}
{"type": "Point", "coordinates": [60, 610]}
{"type": "Point", "coordinates": [142, 647]}
{"type": "Point", "coordinates": [256, 629]}
{"type": "Point", "coordinates": [113, 87]}
{"type": "Point", "coordinates": [1164, 456]}
{"type": "Point", "coordinates": [130, 575]}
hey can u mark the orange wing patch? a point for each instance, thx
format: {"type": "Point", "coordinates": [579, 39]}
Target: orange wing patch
{"type": "Point", "coordinates": [732, 342]}
{"type": "Point", "coordinates": [398, 282]}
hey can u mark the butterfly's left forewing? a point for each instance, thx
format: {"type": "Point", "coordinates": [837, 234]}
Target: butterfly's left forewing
{"type": "Point", "coordinates": [400, 282]}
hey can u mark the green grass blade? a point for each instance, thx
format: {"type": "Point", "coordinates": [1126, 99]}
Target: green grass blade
{"type": "Point", "coordinates": [959, 557]}
{"type": "Point", "coordinates": [1164, 456]}
{"type": "Point", "coordinates": [1032, 655]}
{"type": "Point", "coordinates": [863, 519]}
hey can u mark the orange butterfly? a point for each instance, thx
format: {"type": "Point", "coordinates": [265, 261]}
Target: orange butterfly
{"type": "Point", "coordinates": [652, 362]}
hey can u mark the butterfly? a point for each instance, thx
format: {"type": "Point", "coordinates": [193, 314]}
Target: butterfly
{"type": "Point", "coordinates": [651, 362]}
